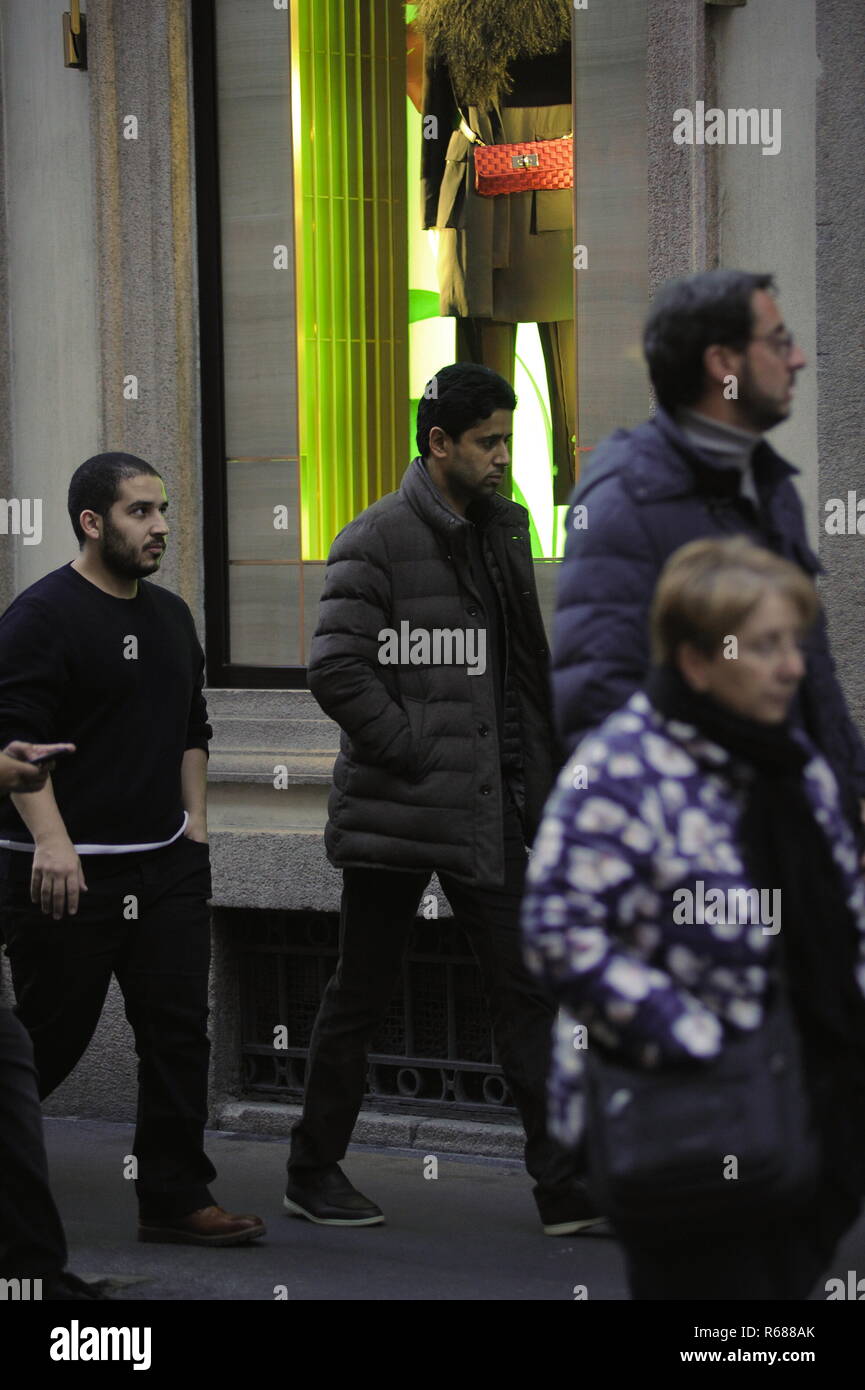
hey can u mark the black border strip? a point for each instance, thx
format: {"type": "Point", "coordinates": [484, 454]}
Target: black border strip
{"type": "Point", "coordinates": [221, 674]}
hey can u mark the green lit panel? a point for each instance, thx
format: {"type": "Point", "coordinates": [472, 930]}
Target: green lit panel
{"type": "Point", "coordinates": [352, 315]}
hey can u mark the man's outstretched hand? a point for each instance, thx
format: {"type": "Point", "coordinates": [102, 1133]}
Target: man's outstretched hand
{"type": "Point", "coordinates": [57, 878]}
{"type": "Point", "coordinates": [17, 773]}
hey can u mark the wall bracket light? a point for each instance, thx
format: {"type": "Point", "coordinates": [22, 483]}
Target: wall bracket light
{"type": "Point", "coordinates": [75, 38]}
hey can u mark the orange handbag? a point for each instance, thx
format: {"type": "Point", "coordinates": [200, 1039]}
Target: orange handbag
{"type": "Point", "coordinates": [522, 167]}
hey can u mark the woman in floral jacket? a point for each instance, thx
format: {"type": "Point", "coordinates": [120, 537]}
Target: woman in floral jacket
{"type": "Point", "coordinates": [695, 843]}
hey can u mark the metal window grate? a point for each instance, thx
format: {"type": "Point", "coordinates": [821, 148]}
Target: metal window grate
{"type": "Point", "coordinates": [433, 1052]}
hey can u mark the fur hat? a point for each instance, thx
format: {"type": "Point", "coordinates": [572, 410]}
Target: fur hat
{"type": "Point", "coordinates": [479, 38]}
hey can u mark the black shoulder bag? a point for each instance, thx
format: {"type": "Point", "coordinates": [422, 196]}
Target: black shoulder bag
{"type": "Point", "coordinates": [705, 1144]}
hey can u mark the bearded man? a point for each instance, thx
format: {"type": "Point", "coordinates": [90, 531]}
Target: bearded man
{"type": "Point", "coordinates": [106, 869]}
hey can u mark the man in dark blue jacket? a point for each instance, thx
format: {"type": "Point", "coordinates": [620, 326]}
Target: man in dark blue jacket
{"type": "Point", "coordinates": [723, 366]}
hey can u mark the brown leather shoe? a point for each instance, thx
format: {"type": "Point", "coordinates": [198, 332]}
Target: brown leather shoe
{"type": "Point", "coordinates": [207, 1226]}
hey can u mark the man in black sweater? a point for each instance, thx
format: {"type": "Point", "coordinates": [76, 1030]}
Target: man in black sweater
{"type": "Point", "coordinates": [106, 870]}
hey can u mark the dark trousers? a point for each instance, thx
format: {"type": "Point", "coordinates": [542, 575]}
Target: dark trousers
{"type": "Point", "coordinates": [493, 344]}
{"type": "Point", "coordinates": [780, 1258]}
{"type": "Point", "coordinates": [32, 1244]}
{"type": "Point", "coordinates": [378, 909]}
{"type": "Point", "coordinates": [145, 919]}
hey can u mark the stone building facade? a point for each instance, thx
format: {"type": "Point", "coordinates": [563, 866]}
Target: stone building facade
{"type": "Point", "coordinates": [122, 307]}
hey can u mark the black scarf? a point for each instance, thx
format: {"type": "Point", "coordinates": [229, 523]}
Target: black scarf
{"type": "Point", "coordinates": [784, 847]}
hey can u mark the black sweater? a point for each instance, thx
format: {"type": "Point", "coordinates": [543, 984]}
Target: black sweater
{"type": "Point", "coordinates": [67, 673]}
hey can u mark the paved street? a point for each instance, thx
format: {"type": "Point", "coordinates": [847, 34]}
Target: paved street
{"type": "Point", "coordinates": [469, 1234]}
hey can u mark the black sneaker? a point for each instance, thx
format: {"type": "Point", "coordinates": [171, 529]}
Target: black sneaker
{"type": "Point", "coordinates": [325, 1196]}
{"type": "Point", "coordinates": [570, 1212]}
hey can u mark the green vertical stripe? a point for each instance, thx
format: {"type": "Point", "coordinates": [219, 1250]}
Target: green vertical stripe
{"type": "Point", "coordinates": [351, 317]}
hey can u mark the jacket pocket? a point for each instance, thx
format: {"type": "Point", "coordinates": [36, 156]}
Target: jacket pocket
{"type": "Point", "coordinates": [415, 711]}
{"type": "Point", "coordinates": [553, 210]}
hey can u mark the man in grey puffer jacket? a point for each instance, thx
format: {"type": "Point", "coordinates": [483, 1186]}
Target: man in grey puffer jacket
{"type": "Point", "coordinates": [430, 654]}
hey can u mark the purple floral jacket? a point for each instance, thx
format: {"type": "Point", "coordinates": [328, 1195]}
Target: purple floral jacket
{"type": "Point", "coordinates": [638, 915]}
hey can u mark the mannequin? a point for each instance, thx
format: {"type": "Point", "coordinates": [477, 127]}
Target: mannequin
{"type": "Point", "coordinates": [506, 66]}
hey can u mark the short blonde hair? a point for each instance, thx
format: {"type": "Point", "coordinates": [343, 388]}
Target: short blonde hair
{"type": "Point", "coordinates": [707, 589]}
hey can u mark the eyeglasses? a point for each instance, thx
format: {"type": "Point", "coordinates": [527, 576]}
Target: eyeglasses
{"type": "Point", "coordinates": [774, 646]}
{"type": "Point", "coordinates": [780, 343]}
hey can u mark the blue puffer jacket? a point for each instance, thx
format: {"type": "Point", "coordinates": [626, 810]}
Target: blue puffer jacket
{"type": "Point", "coordinates": [646, 493]}
{"type": "Point", "coordinates": [643, 826]}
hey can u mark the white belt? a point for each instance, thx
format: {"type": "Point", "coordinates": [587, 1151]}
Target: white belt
{"type": "Point", "coordinates": [105, 849]}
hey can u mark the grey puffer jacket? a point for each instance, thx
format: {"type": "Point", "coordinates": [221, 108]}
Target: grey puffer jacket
{"type": "Point", "coordinates": [418, 783]}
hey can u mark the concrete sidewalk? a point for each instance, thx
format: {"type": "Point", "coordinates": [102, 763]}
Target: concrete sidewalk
{"type": "Point", "coordinates": [472, 1233]}
{"type": "Point", "coordinates": [469, 1234]}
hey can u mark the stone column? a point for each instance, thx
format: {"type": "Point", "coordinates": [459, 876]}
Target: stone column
{"type": "Point", "coordinates": [840, 360]}
{"type": "Point", "coordinates": [49, 345]}
{"type": "Point", "coordinates": [682, 215]}
{"type": "Point", "coordinates": [141, 122]}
